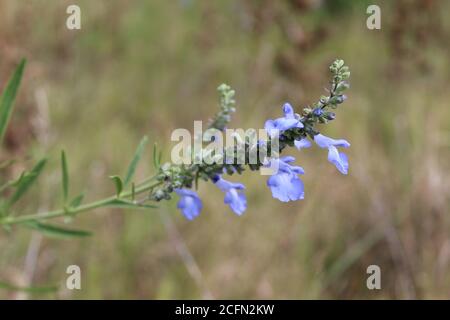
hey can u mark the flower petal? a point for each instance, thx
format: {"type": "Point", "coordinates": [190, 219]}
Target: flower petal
{"type": "Point", "coordinates": [236, 200]}
{"type": "Point", "coordinates": [284, 124]}
{"type": "Point", "coordinates": [270, 127]}
{"type": "Point", "coordinates": [303, 143]}
{"type": "Point", "coordinates": [325, 142]}
{"type": "Point", "coordinates": [286, 187]}
{"type": "Point", "coordinates": [233, 197]}
{"type": "Point", "coordinates": [287, 159]}
{"type": "Point", "coordinates": [339, 159]}
{"type": "Point", "coordinates": [189, 203]}
{"type": "Point", "coordinates": [288, 110]}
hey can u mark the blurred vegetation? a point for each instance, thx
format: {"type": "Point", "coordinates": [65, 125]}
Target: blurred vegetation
{"type": "Point", "coordinates": [147, 67]}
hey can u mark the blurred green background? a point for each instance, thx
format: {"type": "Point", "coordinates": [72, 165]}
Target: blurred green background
{"type": "Point", "coordinates": [147, 67]}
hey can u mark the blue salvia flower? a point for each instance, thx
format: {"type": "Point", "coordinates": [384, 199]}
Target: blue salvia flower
{"type": "Point", "coordinates": [234, 196]}
{"type": "Point", "coordinates": [303, 143]}
{"type": "Point", "coordinates": [289, 121]}
{"type": "Point", "coordinates": [339, 159]}
{"type": "Point", "coordinates": [189, 203]}
{"type": "Point", "coordinates": [285, 183]}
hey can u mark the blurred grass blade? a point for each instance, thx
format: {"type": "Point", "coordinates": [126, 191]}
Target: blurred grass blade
{"type": "Point", "coordinates": [133, 191]}
{"type": "Point", "coordinates": [118, 183]}
{"type": "Point", "coordinates": [11, 287]}
{"type": "Point", "coordinates": [77, 201]}
{"type": "Point", "coordinates": [137, 156]}
{"type": "Point", "coordinates": [355, 252]}
{"type": "Point", "coordinates": [6, 163]}
{"type": "Point", "coordinates": [155, 156]}
{"type": "Point", "coordinates": [120, 203]}
{"type": "Point", "coordinates": [25, 183]}
{"type": "Point", "coordinates": [8, 97]}
{"type": "Point", "coordinates": [56, 231]}
{"type": "Point", "coordinates": [65, 176]}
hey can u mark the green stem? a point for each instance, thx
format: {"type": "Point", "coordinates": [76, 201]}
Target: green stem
{"type": "Point", "coordinates": [143, 187]}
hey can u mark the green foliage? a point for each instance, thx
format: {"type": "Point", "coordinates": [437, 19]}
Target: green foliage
{"type": "Point", "coordinates": [118, 183]}
{"type": "Point", "coordinates": [26, 181]}
{"type": "Point", "coordinates": [76, 202]}
{"type": "Point", "coordinates": [156, 156]}
{"type": "Point", "coordinates": [133, 164]}
{"type": "Point", "coordinates": [56, 231]}
{"type": "Point", "coordinates": [8, 97]}
{"type": "Point", "coordinates": [35, 290]}
{"type": "Point", "coordinates": [65, 176]}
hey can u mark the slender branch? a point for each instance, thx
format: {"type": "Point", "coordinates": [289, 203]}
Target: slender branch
{"type": "Point", "coordinates": [143, 187]}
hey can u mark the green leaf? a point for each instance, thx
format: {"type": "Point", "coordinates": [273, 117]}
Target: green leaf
{"type": "Point", "coordinates": [121, 203]}
{"type": "Point", "coordinates": [22, 176]}
{"type": "Point", "coordinates": [155, 156]}
{"type": "Point", "coordinates": [11, 287]}
{"type": "Point", "coordinates": [76, 202]}
{"type": "Point", "coordinates": [65, 176]}
{"type": "Point", "coordinates": [133, 164]}
{"type": "Point", "coordinates": [133, 191]}
{"type": "Point", "coordinates": [27, 180]}
{"type": "Point", "coordinates": [118, 183]}
{"type": "Point", "coordinates": [8, 97]}
{"type": "Point", "coordinates": [57, 231]}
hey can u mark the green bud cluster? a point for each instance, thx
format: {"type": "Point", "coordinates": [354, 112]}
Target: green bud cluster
{"type": "Point", "coordinates": [340, 73]}
{"type": "Point", "coordinates": [227, 107]}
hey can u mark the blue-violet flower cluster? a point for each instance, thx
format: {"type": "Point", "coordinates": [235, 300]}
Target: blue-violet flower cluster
{"type": "Point", "coordinates": [292, 129]}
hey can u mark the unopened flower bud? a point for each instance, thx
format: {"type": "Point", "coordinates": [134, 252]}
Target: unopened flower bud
{"type": "Point", "coordinates": [318, 112]}
{"type": "Point", "coordinates": [330, 116]}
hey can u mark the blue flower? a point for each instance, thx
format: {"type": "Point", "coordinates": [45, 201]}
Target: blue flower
{"type": "Point", "coordinates": [318, 112]}
{"type": "Point", "coordinates": [303, 143]}
{"type": "Point", "coordinates": [289, 121]}
{"type": "Point", "coordinates": [339, 159]}
{"type": "Point", "coordinates": [285, 183]}
{"type": "Point", "coordinates": [234, 197]}
{"type": "Point", "coordinates": [189, 203]}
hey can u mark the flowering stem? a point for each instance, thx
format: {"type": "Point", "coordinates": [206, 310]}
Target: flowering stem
{"type": "Point", "coordinates": [177, 178]}
{"type": "Point", "coordinates": [185, 176]}
{"type": "Point", "coordinates": [148, 184]}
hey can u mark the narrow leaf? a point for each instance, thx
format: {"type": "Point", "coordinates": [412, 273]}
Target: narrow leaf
{"type": "Point", "coordinates": [22, 176]}
{"type": "Point", "coordinates": [133, 191]}
{"type": "Point", "coordinates": [26, 181]}
{"type": "Point", "coordinates": [65, 176]}
{"type": "Point", "coordinates": [133, 164]}
{"type": "Point", "coordinates": [57, 231]}
{"type": "Point", "coordinates": [11, 287]}
{"type": "Point", "coordinates": [8, 97]}
{"type": "Point", "coordinates": [76, 202]}
{"type": "Point", "coordinates": [118, 183]}
{"type": "Point", "coordinates": [155, 156]}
